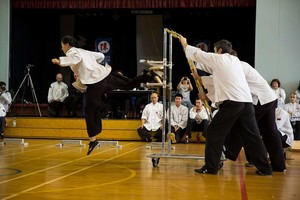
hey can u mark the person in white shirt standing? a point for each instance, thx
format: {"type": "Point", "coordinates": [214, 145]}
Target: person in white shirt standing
{"type": "Point", "coordinates": [152, 119]}
{"type": "Point", "coordinates": [179, 119]}
{"type": "Point", "coordinates": [57, 93]}
{"type": "Point", "coordinates": [97, 80]}
{"type": "Point", "coordinates": [236, 107]}
{"type": "Point", "coordinates": [265, 103]}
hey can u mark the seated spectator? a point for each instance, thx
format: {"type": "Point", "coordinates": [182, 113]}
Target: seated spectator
{"type": "Point", "coordinates": [179, 119]}
{"type": "Point", "coordinates": [198, 118]}
{"type": "Point", "coordinates": [293, 109]}
{"type": "Point", "coordinates": [284, 127]}
{"type": "Point", "coordinates": [57, 93]}
{"type": "Point", "coordinates": [184, 87]}
{"type": "Point", "coordinates": [73, 100]}
{"type": "Point", "coordinates": [280, 92]}
{"type": "Point", "coordinates": [152, 119]}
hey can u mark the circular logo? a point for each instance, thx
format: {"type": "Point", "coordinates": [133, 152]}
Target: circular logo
{"type": "Point", "coordinates": [103, 46]}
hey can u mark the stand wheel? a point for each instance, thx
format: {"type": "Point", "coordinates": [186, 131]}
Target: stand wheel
{"type": "Point", "coordinates": [155, 162]}
{"type": "Point", "coordinates": [220, 165]}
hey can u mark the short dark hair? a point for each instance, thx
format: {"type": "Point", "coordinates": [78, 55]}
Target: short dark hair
{"type": "Point", "coordinates": [69, 40]}
{"type": "Point", "coordinates": [179, 95]}
{"type": "Point", "coordinates": [276, 80]}
{"type": "Point", "coordinates": [2, 83]}
{"type": "Point", "coordinates": [225, 45]}
{"type": "Point", "coordinates": [198, 98]}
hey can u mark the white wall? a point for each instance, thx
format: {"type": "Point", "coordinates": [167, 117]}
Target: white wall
{"type": "Point", "coordinates": [4, 40]}
{"type": "Point", "coordinates": [277, 45]}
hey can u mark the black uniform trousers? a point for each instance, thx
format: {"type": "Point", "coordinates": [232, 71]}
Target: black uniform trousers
{"type": "Point", "coordinates": [94, 97]}
{"type": "Point", "coordinates": [145, 135]}
{"type": "Point", "coordinates": [265, 117]}
{"type": "Point", "coordinates": [231, 113]}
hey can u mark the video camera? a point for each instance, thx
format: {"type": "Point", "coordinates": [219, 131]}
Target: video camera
{"type": "Point", "coordinates": [28, 66]}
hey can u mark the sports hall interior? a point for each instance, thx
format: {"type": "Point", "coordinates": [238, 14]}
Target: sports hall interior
{"type": "Point", "coordinates": [45, 157]}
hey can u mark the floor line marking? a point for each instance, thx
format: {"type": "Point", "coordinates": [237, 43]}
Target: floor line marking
{"type": "Point", "coordinates": [62, 164]}
{"type": "Point", "coordinates": [75, 172]}
{"type": "Point", "coordinates": [242, 179]}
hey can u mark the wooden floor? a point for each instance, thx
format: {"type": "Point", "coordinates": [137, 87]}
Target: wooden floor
{"type": "Point", "coordinates": [43, 170]}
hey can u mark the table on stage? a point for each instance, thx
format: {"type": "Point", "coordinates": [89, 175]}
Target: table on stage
{"type": "Point", "coordinates": [128, 103]}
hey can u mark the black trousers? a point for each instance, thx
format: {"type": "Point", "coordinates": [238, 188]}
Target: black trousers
{"type": "Point", "coordinates": [230, 114]}
{"type": "Point", "coordinates": [296, 129]}
{"type": "Point", "coordinates": [179, 133]}
{"type": "Point", "coordinates": [54, 108]}
{"type": "Point", "coordinates": [265, 116]}
{"type": "Point", "coordinates": [146, 135]}
{"type": "Point", "coordinates": [194, 126]}
{"type": "Point", "coordinates": [71, 103]}
{"type": "Point", "coordinates": [94, 98]}
{"type": "Point", "coordinates": [2, 124]}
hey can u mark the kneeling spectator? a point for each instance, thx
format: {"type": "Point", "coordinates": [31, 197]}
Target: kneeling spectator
{"type": "Point", "coordinates": [179, 119]}
{"type": "Point", "coordinates": [152, 118]}
{"type": "Point", "coordinates": [198, 120]}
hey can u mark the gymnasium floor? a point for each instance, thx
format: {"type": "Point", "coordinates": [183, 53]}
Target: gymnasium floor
{"type": "Point", "coordinates": [45, 170]}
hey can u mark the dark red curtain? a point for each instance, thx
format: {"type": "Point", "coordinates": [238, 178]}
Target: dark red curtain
{"type": "Point", "coordinates": [131, 4]}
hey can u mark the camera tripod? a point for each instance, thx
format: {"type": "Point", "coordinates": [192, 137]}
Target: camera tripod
{"type": "Point", "coordinates": [28, 78]}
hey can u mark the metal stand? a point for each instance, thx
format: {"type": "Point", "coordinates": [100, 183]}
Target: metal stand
{"type": "Point", "coordinates": [70, 142]}
{"type": "Point", "coordinates": [14, 141]}
{"type": "Point", "coordinates": [79, 143]}
{"type": "Point", "coordinates": [28, 77]}
{"type": "Point", "coordinates": [157, 145]}
{"type": "Point", "coordinates": [155, 158]}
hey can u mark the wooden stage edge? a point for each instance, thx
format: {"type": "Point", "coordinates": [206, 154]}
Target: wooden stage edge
{"type": "Point", "coordinates": [75, 128]}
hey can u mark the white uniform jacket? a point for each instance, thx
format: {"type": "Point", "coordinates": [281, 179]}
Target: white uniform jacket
{"type": "Point", "coordinates": [86, 64]}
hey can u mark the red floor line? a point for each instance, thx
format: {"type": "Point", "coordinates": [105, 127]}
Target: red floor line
{"type": "Point", "coordinates": [242, 179]}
